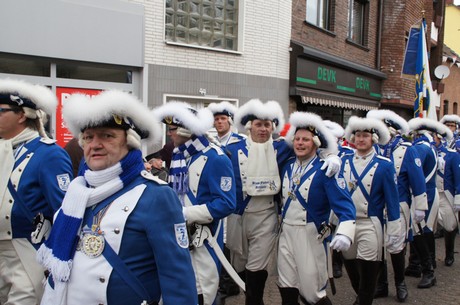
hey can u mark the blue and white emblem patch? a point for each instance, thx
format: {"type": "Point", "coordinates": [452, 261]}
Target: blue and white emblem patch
{"type": "Point", "coordinates": [418, 162]}
{"type": "Point", "coordinates": [181, 234]}
{"type": "Point", "coordinates": [225, 183]}
{"type": "Point", "coordinates": [63, 181]}
{"type": "Point", "coordinates": [341, 183]}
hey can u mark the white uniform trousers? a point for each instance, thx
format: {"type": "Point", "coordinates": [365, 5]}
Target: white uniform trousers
{"type": "Point", "coordinates": [302, 261]}
{"type": "Point", "coordinates": [368, 241]}
{"type": "Point", "coordinates": [16, 286]}
{"type": "Point", "coordinates": [447, 217]}
{"type": "Point", "coordinates": [259, 232]}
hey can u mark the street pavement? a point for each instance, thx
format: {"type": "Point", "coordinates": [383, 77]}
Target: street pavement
{"type": "Point", "coordinates": [445, 292]}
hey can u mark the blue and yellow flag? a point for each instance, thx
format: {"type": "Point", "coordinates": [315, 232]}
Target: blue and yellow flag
{"type": "Point", "coordinates": [416, 63]}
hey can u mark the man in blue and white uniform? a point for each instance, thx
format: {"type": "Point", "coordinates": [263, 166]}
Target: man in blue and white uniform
{"type": "Point", "coordinates": [452, 121]}
{"type": "Point", "coordinates": [372, 182]}
{"type": "Point", "coordinates": [202, 176]}
{"type": "Point", "coordinates": [257, 160]}
{"type": "Point", "coordinates": [308, 196]}
{"type": "Point", "coordinates": [120, 236]}
{"type": "Point", "coordinates": [411, 190]}
{"type": "Point", "coordinates": [423, 258]}
{"type": "Point", "coordinates": [35, 175]}
{"type": "Point", "coordinates": [224, 112]}
{"type": "Point", "coordinates": [448, 185]}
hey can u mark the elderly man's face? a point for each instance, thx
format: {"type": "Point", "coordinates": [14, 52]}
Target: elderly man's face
{"type": "Point", "coordinates": [261, 130]}
{"type": "Point", "coordinates": [104, 147]}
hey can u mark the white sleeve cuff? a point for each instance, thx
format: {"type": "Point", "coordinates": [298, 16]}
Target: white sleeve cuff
{"type": "Point", "coordinates": [420, 202]}
{"type": "Point", "coordinates": [197, 214]}
{"type": "Point", "coordinates": [457, 199]}
{"type": "Point", "coordinates": [347, 228]}
{"type": "Point", "coordinates": [394, 227]}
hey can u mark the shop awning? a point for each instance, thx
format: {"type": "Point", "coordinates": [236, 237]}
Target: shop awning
{"type": "Point", "coordinates": [311, 96]}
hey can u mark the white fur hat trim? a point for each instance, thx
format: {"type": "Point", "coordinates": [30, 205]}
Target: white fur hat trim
{"type": "Point", "coordinates": [425, 124]}
{"type": "Point", "coordinates": [255, 109]}
{"type": "Point", "coordinates": [390, 118]}
{"type": "Point", "coordinates": [368, 124]}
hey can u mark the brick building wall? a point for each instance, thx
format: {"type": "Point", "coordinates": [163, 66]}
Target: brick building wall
{"type": "Point", "coordinates": [335, 42]}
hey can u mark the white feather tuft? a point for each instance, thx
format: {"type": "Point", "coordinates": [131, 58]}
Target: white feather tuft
{"type": "Point", "coordinates": [270, 110]}
{"type": "Point", "coordinates": [421, 125]}
{"type": "Point", "coordinates": [385, 114]}
{"type": "Point", "coordinates": [359, 124]}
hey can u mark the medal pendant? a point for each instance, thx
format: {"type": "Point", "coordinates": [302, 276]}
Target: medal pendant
{"type": "Point", "coordinates": [92, 244]}
{"type": "Point", "coordinates": [292, 196]}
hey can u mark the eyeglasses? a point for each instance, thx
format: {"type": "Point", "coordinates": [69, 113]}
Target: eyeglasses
{"type": "Point", "coordinates": [5, 110]}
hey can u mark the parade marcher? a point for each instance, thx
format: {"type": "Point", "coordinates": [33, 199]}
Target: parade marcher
{"type": "Point", "coordinates": [202, 176]}
{"type": "Point", "coordinates": [308, 196]}
{"type": "Point", "coordinates": [452, 121]}
{"type": "Point", "coordinates": [338, 132]}
{"type": "Point", "coordinates": [448, 185]}
{"type": "Point", "coordinates": [372, 182]}
{"type": "Point", "coordinates": [35, 175]}
{"type": "Point", "coordinates": [422, 258]}
{"type": "Point", "coordinates": [257, 160]}
{"type": "Point", "coordinates": [224, 113]}
{"type": "Point", "coordinates": [119, 226]}
{"type": "Point", "coordinates": [411, 191]}
{"type": "Point", "coordinates": [158, 166]}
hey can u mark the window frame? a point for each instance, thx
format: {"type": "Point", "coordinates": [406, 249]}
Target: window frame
{"type": "Point", "coordinates": [364, 22]}
{"type": "Point", "coordinates": [325, 13]}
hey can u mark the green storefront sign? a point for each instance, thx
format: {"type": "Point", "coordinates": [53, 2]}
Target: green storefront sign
{"type": "Point", "coordinates": [333, 79]}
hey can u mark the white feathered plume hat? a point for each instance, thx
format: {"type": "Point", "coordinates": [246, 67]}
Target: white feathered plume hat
{"type": "Point", "coordinates": [322, 136]}
{"type": "Point", "coordinates": [35, 100]}
{"type": "Point", "coordinates": [451, 118]}
{"type": "Point", "coordinates": [111, 108]}
{"type": "Point", "coordinates": [223, 108]}
{"type": "Point", "coordinates": [423, 125]}
{"type": "Point", "coordinates": [183, 115]}
{"type": "Point", "coordinates": [379, 131]}
{"type": "Point", "coordinates": [391, 119]}
{"type": "Point", "coordinates": [336, 130]}
{"type": "Point", "coordinates": [254, 109]}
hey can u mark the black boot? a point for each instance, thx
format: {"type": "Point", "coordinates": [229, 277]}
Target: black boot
{"type": "Point", "coordinates": [368, 272]}
{"type": "Point", "coordinates": [398, 262]}
{"type": "Point", "coordinates": [428, 279]}
{"type": "Point", "coordinates": [382, 283]}
{"type": "Point", "coordinates": [337, 262]}
{"type": "Point", "coordinates": [429, 237]}
{"type": "Point", "coordinates": [289, 295]}
{"type": "Point", "coordinates": [351, 265]}
{"type": "Point", "coordinates": [255, 285]}
{"type": "Point", "coordinates": [414, 268]}
{"type": "Point", "coordinates": [449, 240]}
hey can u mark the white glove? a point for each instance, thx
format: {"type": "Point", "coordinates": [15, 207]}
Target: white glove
{"type": "Point", "coordinates": [341, 242]}
{"type": "Point", "coordinates": [456, 208]}
{"type": "Point", "coordinates": [419, 215]}
{"type": "Point", "coordinates": [332, 163]}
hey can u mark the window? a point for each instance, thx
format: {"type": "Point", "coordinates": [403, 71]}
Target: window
{"type": "Point", "coordinates": [455, 108]}
{"type": "Point", "coordinates": [95, 72]}
{"type": "Point", "coordinates": [318, 13]}
{"type": "Point", "coordinates": [203, 23]}
{"type": "Point", "coordinates": [16, 64]}
{"type": "Point", "coordinates": [357, 21]}
{"type": "Point", "coordinates": [446, 106]}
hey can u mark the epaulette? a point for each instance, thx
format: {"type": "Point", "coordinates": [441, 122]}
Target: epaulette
{"type": "Point", "coordinates": [148, 175]}
{"type": "Point", "coordinates": [451, 149]}
{"type": "Point", "coordinates": [47, 141]}
{"type": "Point", "coordinates": [383, 158]}
{"type": "Point", "coordinates": [218, 149]}
{"type": "Point", "coordinates": [408, 144]}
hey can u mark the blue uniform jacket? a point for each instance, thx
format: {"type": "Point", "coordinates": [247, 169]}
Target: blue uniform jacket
{"type": "Point", "coordinates": [381, 191]}
{"type": "Point", "coordinates": [324, 193]}
{"type": "Point", "coordinates": [283, 153]}
{"type": "Point", "coordinates": [42, 184]}
{"type": "Point", "coordinates": [451, 172]}
{"type": "Point", "coordinates": [428, 158]}
{"type": "Point", "coordinates": [153, 248]}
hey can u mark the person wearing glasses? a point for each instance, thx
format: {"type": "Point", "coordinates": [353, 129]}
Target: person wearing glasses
{"type": "Point", "coordinates": [35, 175]}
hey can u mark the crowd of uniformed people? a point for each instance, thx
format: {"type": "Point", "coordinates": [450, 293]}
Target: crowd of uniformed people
{"type": "Point", "coordinates": [202, 219]}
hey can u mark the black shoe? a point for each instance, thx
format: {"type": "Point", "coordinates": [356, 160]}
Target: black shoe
{"type": "Point", "coordinates": [428, 280]}
{"type": "Point", "coordinates": [433, 263]}
{"type": "Point", "coordinates": [414, 271]}
{"type": "Point", "coordinates": [381, 291]}
{"type": "Point", "coordinates": [337, 271]}
{"type": "Point", "coordinates": [449, 261]}
{"type": "Point", "coordinates": [401, 292]}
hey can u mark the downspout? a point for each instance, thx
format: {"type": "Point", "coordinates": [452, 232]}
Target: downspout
{"type": "Point", "coordinates": [379, 36]}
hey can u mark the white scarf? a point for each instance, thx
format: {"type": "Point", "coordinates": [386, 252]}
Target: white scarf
{"type": "Point", "coordinates": [262, 174]}
{"type": "Point", "coordinates": [7, 156]}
